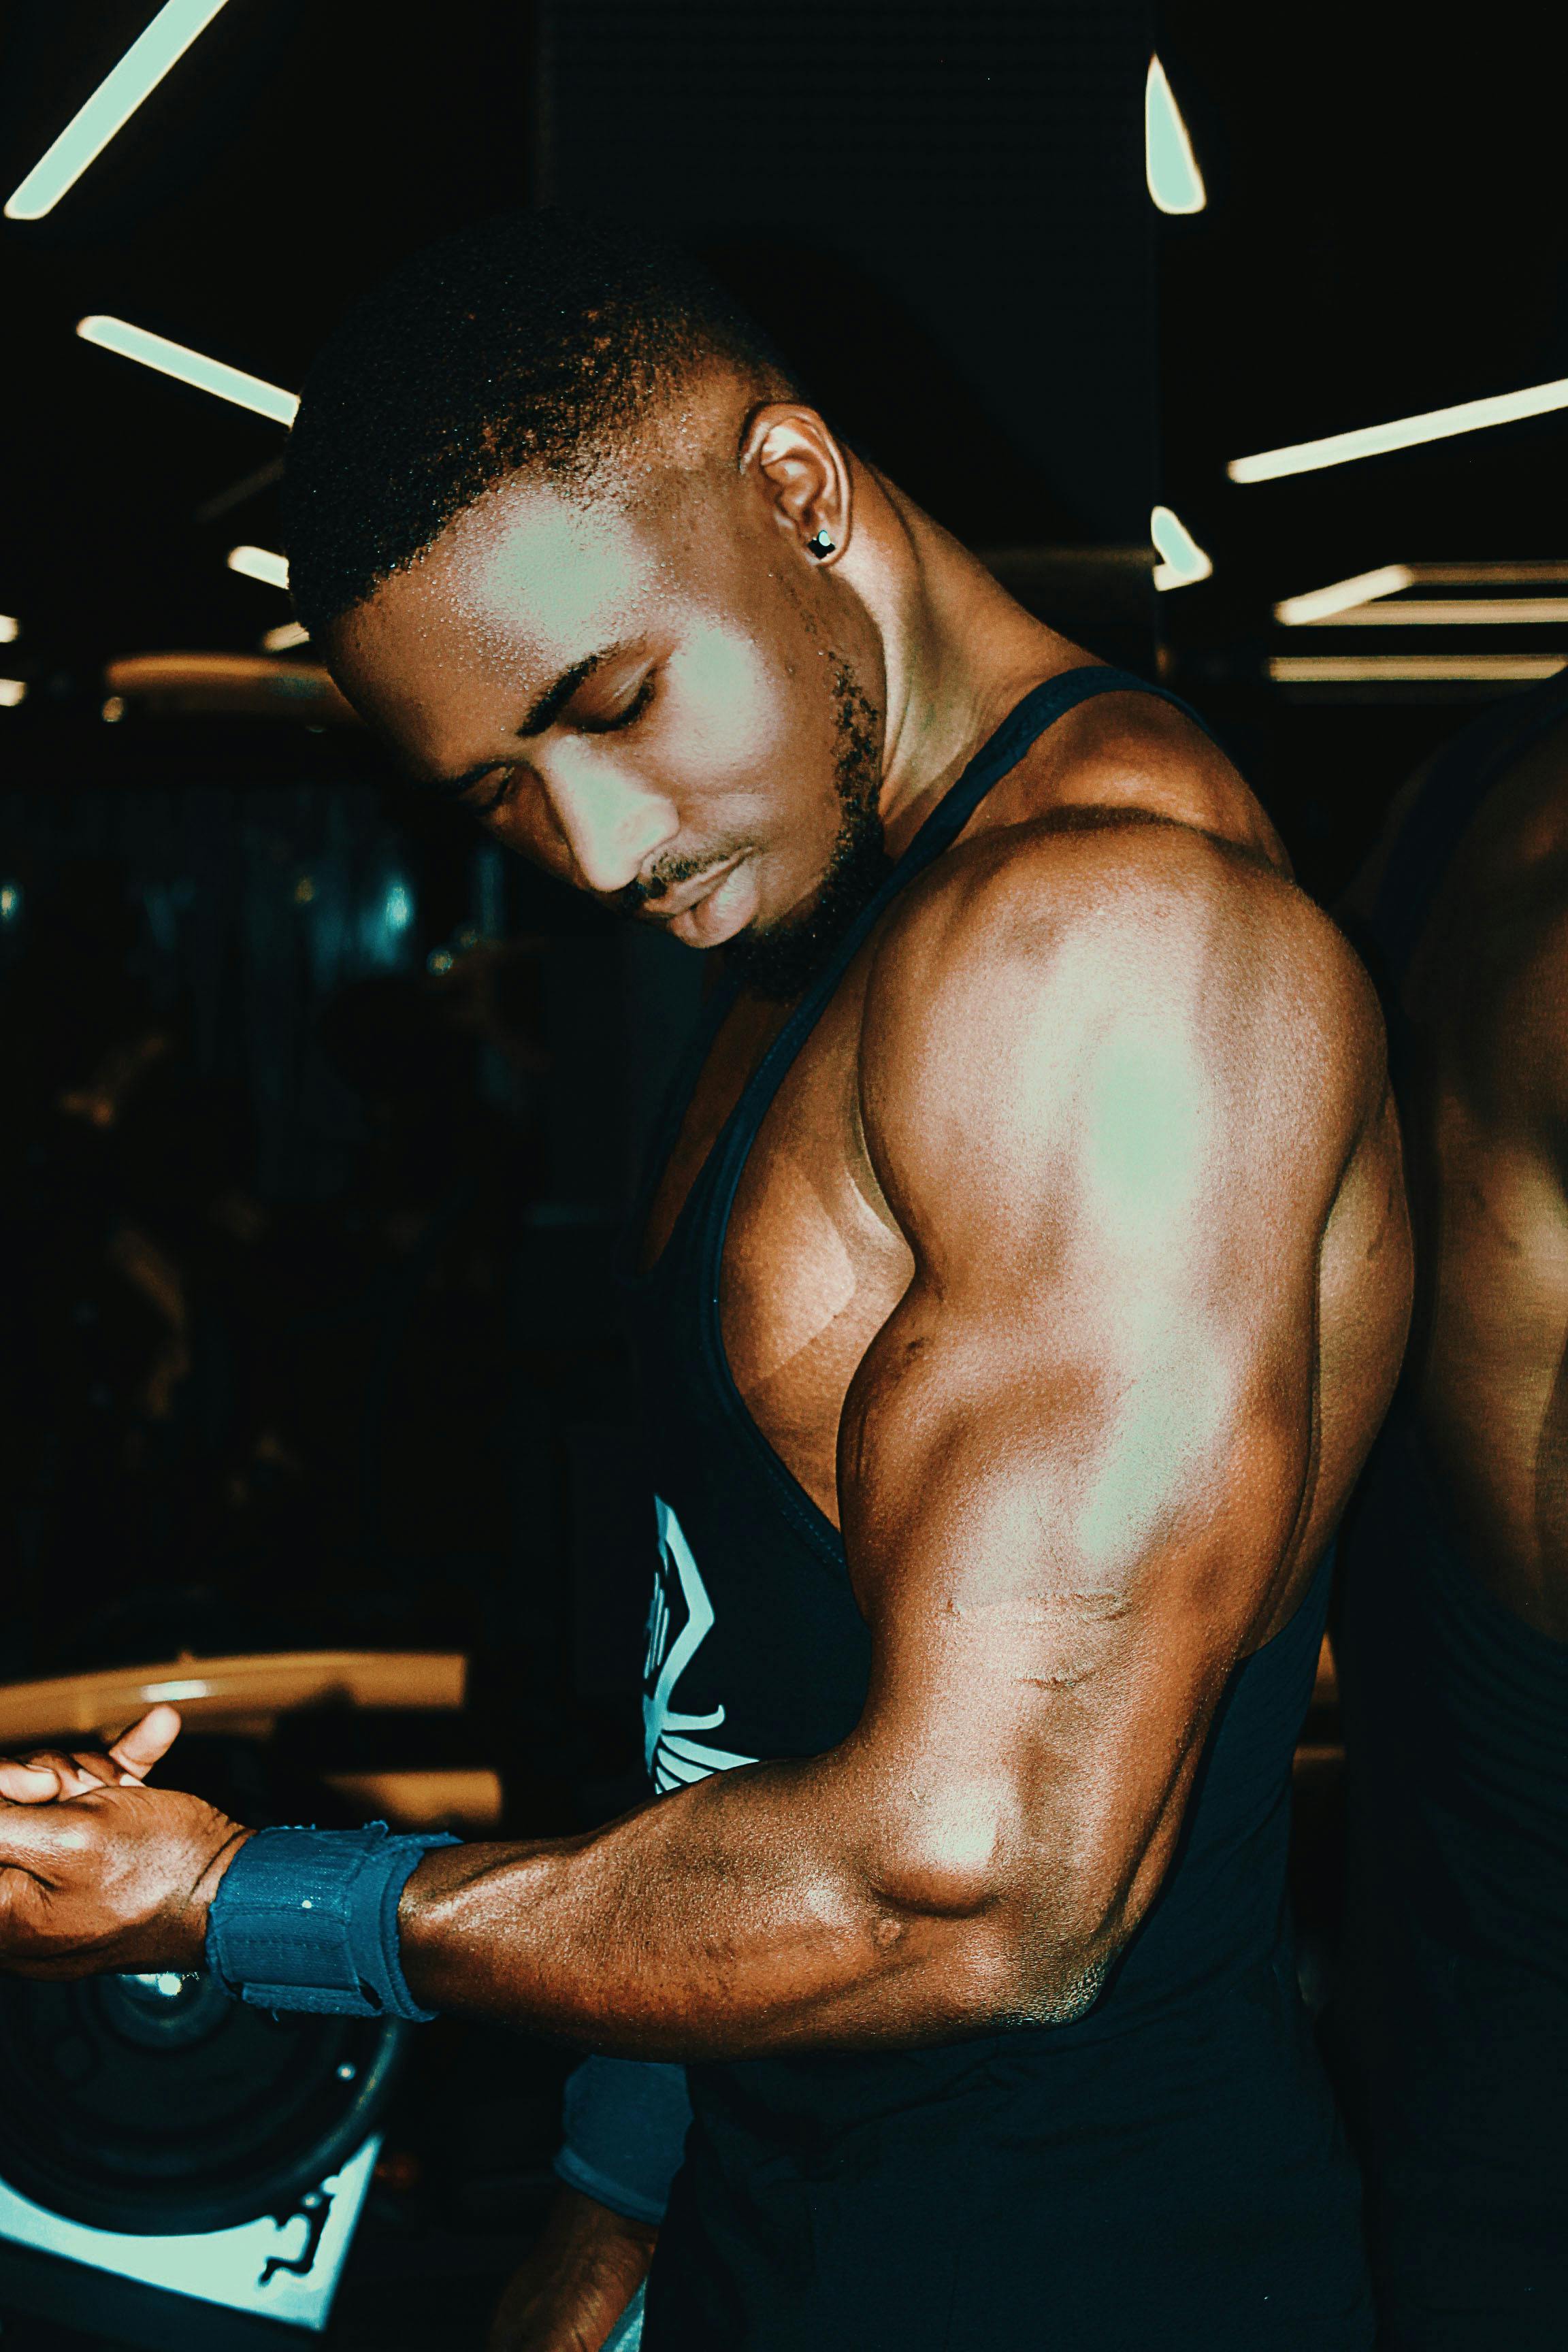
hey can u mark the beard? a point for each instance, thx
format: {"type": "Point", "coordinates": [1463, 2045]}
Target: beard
{"type": "Point", "coordinates": [780, 961]}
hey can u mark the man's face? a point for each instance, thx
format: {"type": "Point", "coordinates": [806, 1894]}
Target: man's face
{"type": "Point", "coordinates": [654, 697]}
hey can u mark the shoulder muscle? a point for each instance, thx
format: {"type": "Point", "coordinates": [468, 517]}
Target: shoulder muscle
{"type": "Point", "coordinates": [1122, 1006]}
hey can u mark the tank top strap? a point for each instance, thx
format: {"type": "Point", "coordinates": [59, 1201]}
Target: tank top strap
{"type": "Point", "coordinates": [1022, 727]}
{"type": "Point", "coordinates": [997, 756]}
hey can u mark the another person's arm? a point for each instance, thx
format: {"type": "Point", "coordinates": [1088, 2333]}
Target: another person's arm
{"type": "Point", "coordinates": [625, 2125]}
{"type": "Point", "coordinates": [575, 2284]}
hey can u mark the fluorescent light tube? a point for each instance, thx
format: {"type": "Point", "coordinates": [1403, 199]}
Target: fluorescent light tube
{"type": "Point", "coordinates": [1404, 433]}
{"type": "Point", "coordinates": [260, 564]}
{"type": "Point", "coordinates": [1481, 575]}
{"type": "Point", "coordinates": [1318, 603]}
{"type": "Point", "coordinates": [1326, 669]}
{"type": "Point", "coordinates": [111, 106]}
{"type": "Point", "coordinates": [1184, 561]}
{"type": "Point", "coordinates": [287, 633]}
{"type": "Point", "coordinates": [1170, 167]}
{"type": "Point", "coordinates": [1454, 613]}
{"type": "Point", "coordinates": [190, 367]}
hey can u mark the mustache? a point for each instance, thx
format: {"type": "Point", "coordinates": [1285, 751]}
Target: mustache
{"type": "Point", "coordinates": [668, 874]}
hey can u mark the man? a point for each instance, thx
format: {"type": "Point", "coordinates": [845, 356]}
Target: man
{"type": "Point", "coordinates": [1449, 2026]}
{"type": "Point", "coordinates": [1021, 1285]}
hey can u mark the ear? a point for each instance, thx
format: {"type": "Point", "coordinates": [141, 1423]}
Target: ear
{"type": "Point", "coordinates": [803, 475]}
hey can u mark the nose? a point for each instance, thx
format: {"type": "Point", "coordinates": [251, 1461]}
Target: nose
{"type": "Point", "coordinates": [612, 823]}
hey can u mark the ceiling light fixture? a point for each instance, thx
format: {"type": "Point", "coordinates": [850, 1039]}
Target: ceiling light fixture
{"type": "Point", "coordinates": [162, 44]}
{"type": "Point", "coordinates": [1493, 575]}
{"type": "Point", "coordinates": [1341, 596]}
{"type": "Point", "coordinates": [1184, 561]}
{"type": "Point", "coordinates": [1170, 167]}
{"type": "Point", "coordinates": [1331, 669]}
{"type": "Point", "coordinates": [260, 564]}
{"type": "Point", "coordinates": [1455, 612]}
{"type": "Point", "coordinates": [1404, 433]}
{"type": "Point", "coordinates": [1359, 603]}
{"type": "Point", "coordinates": [190, 367]}
{"type": "Point", "coordinates": [10, 628]}
{"type": "Point", "coordinates": [11, 690]}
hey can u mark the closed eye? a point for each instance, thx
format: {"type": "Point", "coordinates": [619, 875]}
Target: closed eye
{"type": "Point", "coordinates": [634, 709]}
{"type": "Point", "coordinates": [498, 794]}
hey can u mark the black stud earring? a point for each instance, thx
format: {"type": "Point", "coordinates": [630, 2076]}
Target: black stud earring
{"type": "Point", "coordinates": [820, 545]}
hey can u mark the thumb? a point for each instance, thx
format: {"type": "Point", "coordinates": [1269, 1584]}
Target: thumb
{"type": "Point", "coordinates": [137, 1750]}
{"type": "Point", "coordinates": [29, 1784]}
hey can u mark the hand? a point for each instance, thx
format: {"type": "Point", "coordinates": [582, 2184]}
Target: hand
{"type": "Point", "coordinates": [47, 1773]}
{"type": "Point", "coordinates": [575, 2286]}
{"type": "Point", "coordinates": [113, 1877]}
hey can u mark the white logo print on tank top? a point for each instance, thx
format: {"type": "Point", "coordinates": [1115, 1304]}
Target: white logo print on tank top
{"type": "Point", "coordinates": [672, 1757]}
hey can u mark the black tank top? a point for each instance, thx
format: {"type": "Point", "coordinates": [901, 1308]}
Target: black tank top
{"type": "Point", "coordinates": [1166, 2168]}
{"type": "Point", "coordinates": [1447, 2031]}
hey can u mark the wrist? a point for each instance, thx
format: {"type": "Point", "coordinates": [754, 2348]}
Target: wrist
{"type": "Point", "coordinates": [196, 1913]}
{"type": "Point", "coordinates": [308, 1920]}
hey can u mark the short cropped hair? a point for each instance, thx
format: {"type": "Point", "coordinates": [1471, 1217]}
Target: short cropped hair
{"type": "Point", "coordinates": [541, 340]}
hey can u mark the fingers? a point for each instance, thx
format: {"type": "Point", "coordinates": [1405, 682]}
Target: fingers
{"type": "Point", "coordinates": [30, 1784]}
{"type": "Point", "coordinates": [51, 1774]}
{"type": "Point", "coordinates": [137, 1750]}
{"type": "Point", "coordinates": [48, 1773]}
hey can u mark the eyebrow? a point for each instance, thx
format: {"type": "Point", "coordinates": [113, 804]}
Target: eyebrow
{"type": "Point", "coordinates": [540, 714]}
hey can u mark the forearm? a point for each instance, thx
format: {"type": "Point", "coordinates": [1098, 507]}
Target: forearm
{"type": "Point", "coordinates": [744, 1915]}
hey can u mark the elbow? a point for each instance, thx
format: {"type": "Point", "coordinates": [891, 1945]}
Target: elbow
{"type": "Point", "coordinates": [1034, 1962]}
{"type": "Point", "coordinates": [1054, 1971]}
{"type": "Point", "coordinates": [1012, 1940]}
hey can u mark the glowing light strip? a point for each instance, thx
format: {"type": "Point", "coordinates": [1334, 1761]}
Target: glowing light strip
{"type": "Point", "coordinates": [10, 628]}
{"type": "Point", "coordinates": [1170, 167]}
{"type": "Point", "coordinates": [260, 564]}
{"type": "Point", "coordinates": [1184, 559]}
{"type": "Point", "coordinates": [11, 690]}
{"type": "Point", "coordinates": [163, 43]}
{"type": "Point", "coordinates": [1452, 613]}
{"type": "Point", "coordinates": [1477, 576]}
{"type": "Point", "coordinates": [286, 634]}
{"type": "Point", "coordinates": [190, 367]}
{"type": "Point", "coordinates": [1341, 596]}
{"type": "Point", "coordinates": [1326, 669]}
{"type": "Point", "coordinates": [1404, 433]}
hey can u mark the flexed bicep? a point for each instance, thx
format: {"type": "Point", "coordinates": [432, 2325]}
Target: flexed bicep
{"type": "Point", "coordinates": [1075, 1459]}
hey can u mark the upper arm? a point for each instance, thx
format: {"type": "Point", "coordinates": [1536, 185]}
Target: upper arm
{"type": "Point", "coordinates": [1512, 1041]}
{"type": "Point", "coordinates": [1111, 1086]}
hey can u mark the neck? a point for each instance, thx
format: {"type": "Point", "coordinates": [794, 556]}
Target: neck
{"type": "Point", "coordinates": [958, 652]}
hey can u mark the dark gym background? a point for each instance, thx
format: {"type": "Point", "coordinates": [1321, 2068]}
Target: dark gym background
{"type": "Point", "coordinates": [319, 1115]}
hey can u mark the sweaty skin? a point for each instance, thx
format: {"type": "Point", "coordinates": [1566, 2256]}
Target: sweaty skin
{"type": "Point", "coordinates": [1069, 1272]}
{"type": "Point", "coordinates": [1486, 1129]}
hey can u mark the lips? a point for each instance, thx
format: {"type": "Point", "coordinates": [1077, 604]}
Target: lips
{"type": "Point", "coordinates": [726, 908]}
{"type": "Point", "coordinates": [687, 895]}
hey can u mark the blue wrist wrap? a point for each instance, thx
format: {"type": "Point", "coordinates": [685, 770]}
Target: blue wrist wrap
{"type": "Point", "coordinates": [308, 1920]}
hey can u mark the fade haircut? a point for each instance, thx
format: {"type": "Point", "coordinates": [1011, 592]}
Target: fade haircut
{"type": "Point", "coordinates": [540, 340]}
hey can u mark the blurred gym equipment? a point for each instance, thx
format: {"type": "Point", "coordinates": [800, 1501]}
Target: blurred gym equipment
{"type": "Point", "coordinates": [171, 2160]}
{"type": "Point", "coordinates": [215, 686]}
